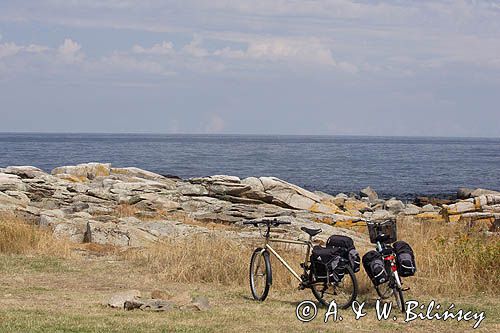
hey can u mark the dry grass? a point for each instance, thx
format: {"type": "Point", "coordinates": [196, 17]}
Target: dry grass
{"type": "Point", "coordinates": [208, 259]}
{"type": "Point", "coordinates": [65, 296]}
{"type": "Point", "coordinates": [452, 261]}
{"type": "Point", "coordinates": [125, 210]}
{"type": "Point", "coordinates": [18, 237]}
{"type": "Point", "coordinates": [43, 293]}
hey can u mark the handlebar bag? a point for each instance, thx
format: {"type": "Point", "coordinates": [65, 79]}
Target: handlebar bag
{"type": "Point", "coordinates": [375, 268]}
{"type": "Point", "coordinates": [347, 244]}
{"type": "Point", "coordinates": [405, 258]}
{"type": "Point", "coordinates": [327, 264]}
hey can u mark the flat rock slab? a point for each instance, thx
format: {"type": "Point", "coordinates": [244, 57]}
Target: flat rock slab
{"type": "Point", "coordinates": [157, 305]}
{"type": "Point", "coordinates": [118, 300]}
{"type": "Point", "coordinates": [131, 300]}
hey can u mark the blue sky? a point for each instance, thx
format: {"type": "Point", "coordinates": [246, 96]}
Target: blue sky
{"type": "Point", "coordinates": [331, 67]}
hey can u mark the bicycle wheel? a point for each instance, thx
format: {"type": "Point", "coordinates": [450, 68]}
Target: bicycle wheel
{"type": "Point", "coordinates": [260, 274]}
{"type": "Point", "coordinates": [400, 301]}
{"type": "Point", "coordinates": [343, 292]}
{"type": "Point", "coordinates": [384, 291]}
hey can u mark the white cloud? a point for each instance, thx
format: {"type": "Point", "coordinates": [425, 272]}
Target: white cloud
{"type": "Point", "coordinates": [70, 52]}
{"type": "Point", "coordinates": [9, 49]}
{"type": "Point", "coordinates": [305, 51]}
{"type": "Point", "coordinates": [123, 63]}
{"type": "Point", "coordinates": [302, 50]}
{"type": "Point", "coordinates": [369, 31]}
{"type": "Point", "coordinates": [12, 49]}
{"type": "Point", "coordinates": [157, 49]}
{"type": "Point", "coordinates": [195, 49]}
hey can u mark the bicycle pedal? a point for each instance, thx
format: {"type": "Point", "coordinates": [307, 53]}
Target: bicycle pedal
{"type": "Point", "coordinates": [406, 289]}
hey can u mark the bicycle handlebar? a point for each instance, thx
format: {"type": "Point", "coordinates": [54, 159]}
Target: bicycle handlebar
{"type": "Point", "coordinates": [273, 222]}
{"type": "Point", "coordinates": [378, 222]}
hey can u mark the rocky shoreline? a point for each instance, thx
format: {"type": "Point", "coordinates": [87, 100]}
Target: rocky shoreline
{"type": "Point", "coordinates": [95, 202]}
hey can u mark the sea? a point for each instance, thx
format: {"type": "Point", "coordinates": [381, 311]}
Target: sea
{"type": "Point", "coordinates": [403, 167]}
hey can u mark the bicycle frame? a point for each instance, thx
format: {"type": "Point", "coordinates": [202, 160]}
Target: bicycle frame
{"type": "Point", "coordinates": [392, 261]}
{"type": "Point", "coordinates": [308, 243]}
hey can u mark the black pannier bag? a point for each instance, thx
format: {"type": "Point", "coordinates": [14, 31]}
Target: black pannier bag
{"type": "Point", "coordinates": [405, 258]}
{"type": "Point", "coordinates": [347, 244]}
{"type": "Point", "coordinates": [327, 264]}
{"type": "Point", "coordinates": [375, 268]}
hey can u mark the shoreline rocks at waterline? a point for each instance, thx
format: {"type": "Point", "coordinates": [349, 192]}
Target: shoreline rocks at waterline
{"type": "Point", "coordinates": [96, 202]}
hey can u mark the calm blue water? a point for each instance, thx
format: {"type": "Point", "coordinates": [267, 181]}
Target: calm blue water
{"type": "Point", "coordinates": [403, 167]}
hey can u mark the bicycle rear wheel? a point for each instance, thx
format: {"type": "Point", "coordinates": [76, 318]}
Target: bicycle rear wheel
{"type": "Point", "coordinates": [343, 292]}
{"type": "Point", "coordinates": [260, 274]}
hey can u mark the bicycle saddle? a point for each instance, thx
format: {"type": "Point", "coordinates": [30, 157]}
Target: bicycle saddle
{"type": "Point", "coordinates": [311, 232]}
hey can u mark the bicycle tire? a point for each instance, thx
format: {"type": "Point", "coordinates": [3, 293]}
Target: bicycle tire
{"type": "Point", "coordinates": [320, 296]}
{"type": "Point", "coordinates": [260, 257]}
{"type": "Point", "coordinates": [384, 291]}
{"type": "Point", "coordinates": [400, 301]}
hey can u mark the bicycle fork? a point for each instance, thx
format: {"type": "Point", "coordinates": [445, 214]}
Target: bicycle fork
{"type": "Point", "coordinates": [394, 270]}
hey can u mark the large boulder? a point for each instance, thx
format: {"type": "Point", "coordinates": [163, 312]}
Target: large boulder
{"type": "Point", "coordinates": [481, 191]}
{"type": "Point", "coordinates": [394, 206]}
{"type": "Point", "coordinates": [469, 205]}
{"type": "Point", "coordinates": [136, 173]}
{"type": "Point", "coordinates": [106, 233]}
{"type": "Point", "coordinates": [84, 172]}
{"type": "Point", "coordinates": [227, 188]}
{"type": "Point", "coordinates": [369, 193]}
{"type": "Point", "coordinates": [24, 172]}
{"type": "Point", "coordinates": [353, 204]}
{"type": "Point", "coordinates": [71, 229]}
{"type": "Point", "coordinates": [289, 195]}
{"type": "Point", "coordinates": [13, 199]}
{"type": "Point", "coordinates": [464, 193]}
{"type": "Point", "coordinates": [155, 201]}
{"type": "Point", "coordinates": [9, 182]}
{"type": "Point", "coordinates": [257, 190]}
{"type": "Point", "coordinates": [411, 209]}
{"type": "Point", "coordinates": [380, 215]}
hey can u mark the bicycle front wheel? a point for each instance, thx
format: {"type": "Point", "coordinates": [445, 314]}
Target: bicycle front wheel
{"type": "Point", "coordinates": [343, 292]}
{"type": "Point", "coordinates": [260, 274]}
{"type": "Point", "coordinates": [400, 301]}
{"type": "Point", "coordinates": [384, 291]}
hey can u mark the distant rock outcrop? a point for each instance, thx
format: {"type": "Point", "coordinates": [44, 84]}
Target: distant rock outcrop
{"type": "Point", "coordinates": [95, 202]}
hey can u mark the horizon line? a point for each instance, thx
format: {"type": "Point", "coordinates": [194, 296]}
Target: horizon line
{"type": "Point", "coordinates": [253, 134]}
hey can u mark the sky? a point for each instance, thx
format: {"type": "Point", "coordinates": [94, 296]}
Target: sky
{"type": "Point", "coordinates": [307, 67]}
